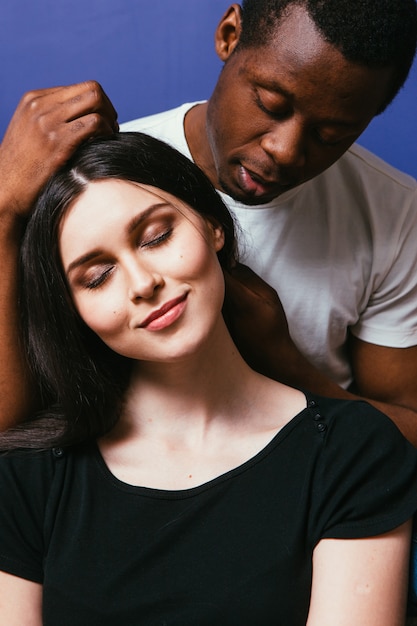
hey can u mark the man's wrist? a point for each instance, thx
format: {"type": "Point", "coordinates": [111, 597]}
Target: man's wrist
{"type": "Point", "coordinates": [11, 223]}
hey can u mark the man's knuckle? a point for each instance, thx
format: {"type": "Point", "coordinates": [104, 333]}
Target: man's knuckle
{"type": "Point", "coordinates": [31, 102]}
{"type": "Point", "coordinates": [53, 135]}
{"type": "Point", "coordinates": [77, 126]}
{"type": "Point", "coordinates": [93, 90]}
{"type": "Point", "coordinates": [93, 85]}
{"type": "Point", "coordinates": [97, 123]}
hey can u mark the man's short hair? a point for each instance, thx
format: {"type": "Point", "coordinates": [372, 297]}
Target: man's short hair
{"type": "Point", "coordinates": [373, 33]}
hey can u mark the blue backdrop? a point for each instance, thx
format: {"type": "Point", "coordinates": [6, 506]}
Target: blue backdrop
{"type": "Point", "coordinates": [149, 56]}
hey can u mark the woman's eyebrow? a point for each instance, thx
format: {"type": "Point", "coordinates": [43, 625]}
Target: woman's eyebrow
{"type": "Point", "coordinates": [138, 219]}
{"type": "Point", "coordinates": [85, 258]}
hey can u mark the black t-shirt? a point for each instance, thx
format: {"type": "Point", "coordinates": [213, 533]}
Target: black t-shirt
{"type": "Point", "coordinates": [234, 551]}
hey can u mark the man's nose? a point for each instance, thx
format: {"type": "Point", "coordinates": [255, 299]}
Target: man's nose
{"type": "Point", "coordinates": [286, 143]}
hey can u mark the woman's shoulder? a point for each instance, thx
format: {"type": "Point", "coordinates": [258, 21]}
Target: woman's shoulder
{"type": "Point", "coordinates": [32, 467]}
{"type": "Point", "coordinates": [357, 415]}
{"type": "Point", "coordinates": [26, 457]}
{"type": "Point", "coordinates": [333, 417]}
{"type": "Point", "coordinates": [366, 470]}
{"type": "Point", "coordinates": [359, 437]}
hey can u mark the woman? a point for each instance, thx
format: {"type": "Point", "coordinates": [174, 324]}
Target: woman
{"type": "Point", "coordinates": [170, 483]}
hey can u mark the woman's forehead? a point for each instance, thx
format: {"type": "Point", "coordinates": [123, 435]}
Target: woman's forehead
{"type": "Point", "coordinates": [112, 203]}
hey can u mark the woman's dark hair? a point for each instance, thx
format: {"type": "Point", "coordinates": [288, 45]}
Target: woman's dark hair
{"type": "Point", "coordinates": [373, 33]}
{"type": "Point", "coordinates": [81, 381]}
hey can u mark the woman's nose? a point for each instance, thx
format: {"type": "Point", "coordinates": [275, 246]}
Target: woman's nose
{"type": "Point", "coordinates": [142, 281]}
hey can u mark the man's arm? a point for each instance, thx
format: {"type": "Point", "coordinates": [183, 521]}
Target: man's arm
{"type": "Point", "coordinates": [387, 378]}
{"type": "Point", "coordinates": [45, 129]}
{"type": "Point", "coordinates": [384, 377]}
{"type": "Point", "coordinates": [15, 388]}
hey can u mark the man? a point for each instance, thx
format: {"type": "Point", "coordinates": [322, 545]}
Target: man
{"type": "Point", "coordinates": [301, 81]}
{"type": "Point", "coordinates": [330, 227]}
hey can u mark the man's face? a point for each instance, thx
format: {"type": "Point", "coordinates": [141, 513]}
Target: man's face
{"type": "Point", "coordinates": [284, 112]}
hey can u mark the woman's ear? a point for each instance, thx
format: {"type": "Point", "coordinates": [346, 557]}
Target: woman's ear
{"type": "Point", "coordinates": [217, 235]}
{"type": "Point", "coordinates": [228, 32]}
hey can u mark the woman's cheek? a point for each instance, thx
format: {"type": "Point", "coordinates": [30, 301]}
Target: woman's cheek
{"type": "Point", "coordinates": [193, 261]}
{"type": "Point", "coordinates": [101, 316]}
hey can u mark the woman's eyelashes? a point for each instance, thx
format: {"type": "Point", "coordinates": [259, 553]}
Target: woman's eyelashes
{"type": "Point", "coordinates": [155, 239]}
{"type": "Point", "coordinates": [97, 275]}
{"type": "Point", "coordinates": [97, 278]}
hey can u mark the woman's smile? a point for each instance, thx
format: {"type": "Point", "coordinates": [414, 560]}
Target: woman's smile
{"type": "Point", "coordinates": [166, 315]}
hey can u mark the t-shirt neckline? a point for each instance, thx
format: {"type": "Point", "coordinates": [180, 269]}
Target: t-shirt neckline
{"type": "Point", "coordinates": [175, 494]}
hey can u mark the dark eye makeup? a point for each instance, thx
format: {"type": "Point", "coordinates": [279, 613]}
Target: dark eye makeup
{"type": "Point", "coordinates": [95, 276]}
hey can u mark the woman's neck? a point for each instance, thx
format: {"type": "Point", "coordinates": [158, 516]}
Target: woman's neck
{"type": "Point", "coordinates": [187, 422]}
{"type": "Point", "coordinates": [197, 389]}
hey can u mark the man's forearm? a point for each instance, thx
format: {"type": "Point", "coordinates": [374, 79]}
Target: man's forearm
{"type": "Point", "coordinates": [16, 399]}
{"type": "Point", "coordinates": [294, 369]}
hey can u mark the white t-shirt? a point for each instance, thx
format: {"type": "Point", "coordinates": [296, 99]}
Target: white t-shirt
{"type": "Point", "coordinates": [341, 251]}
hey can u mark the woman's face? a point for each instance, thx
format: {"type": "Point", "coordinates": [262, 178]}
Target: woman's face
{"type": "Point", "coordinates": [142, 269]}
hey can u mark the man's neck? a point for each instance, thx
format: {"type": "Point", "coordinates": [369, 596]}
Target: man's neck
{"type": "Point", "coordinates": [196, 137]}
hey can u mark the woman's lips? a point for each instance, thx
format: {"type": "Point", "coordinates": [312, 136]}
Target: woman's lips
{"type": "Point", "coordinates": [166, 315]}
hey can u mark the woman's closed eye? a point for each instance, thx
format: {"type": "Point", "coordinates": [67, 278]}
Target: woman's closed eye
{"type": "Point", "coordinates": [97, 276]}
{"type": "Point", "coordinates": [153, 240]}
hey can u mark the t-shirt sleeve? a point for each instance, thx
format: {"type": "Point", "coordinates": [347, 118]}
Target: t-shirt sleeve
{"type": "Point", "coordinates": [25, 479]}
{"type": "Point", "coordinates": [366, 481]}
{"type": "Point", "coordinates": [390, 316]}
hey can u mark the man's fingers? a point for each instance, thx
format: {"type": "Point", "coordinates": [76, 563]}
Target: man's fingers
{"type": "Point", "coordinates": [60, 105]}
{"type": "Point", "coordinates": [90, 98]}
{"type": "Point", "coordinates": [44, 131]}
{"type": "Point", "coordinates": [241, 278]}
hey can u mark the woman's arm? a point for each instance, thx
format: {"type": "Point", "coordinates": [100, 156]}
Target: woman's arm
{"type": "Point", "coordinates": [361, 581]}
{"type": "Point", "coordinates": [20, 601]}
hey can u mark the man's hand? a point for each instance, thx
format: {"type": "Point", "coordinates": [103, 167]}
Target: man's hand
{"type": "Point", "coordinates": [257, 323]}
{"type": "Point", "coordinates": [385, 377]}
{"type": "Point", "coordinates": [46, 127]}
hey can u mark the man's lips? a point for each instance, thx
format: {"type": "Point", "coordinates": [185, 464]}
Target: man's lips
{"type": "Point", "coordinates": [166, 315]}
{"type": "Point", "coordinates": [256, 185]}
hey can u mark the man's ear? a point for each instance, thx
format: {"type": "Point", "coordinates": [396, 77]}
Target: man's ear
{"type": "Point", "coordinates": [228, 32]}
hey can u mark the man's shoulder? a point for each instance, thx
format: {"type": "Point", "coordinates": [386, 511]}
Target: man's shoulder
{"type": "Point", "coordinates": [166, 125]}
{"type": "Point", "coordinates": [367, 166]}
{"type": "Point", "coordinates": [154, 120]}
